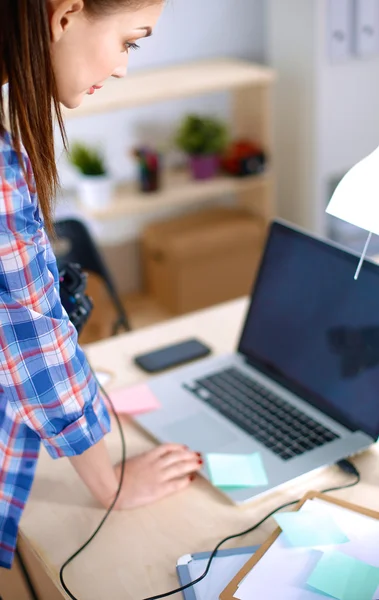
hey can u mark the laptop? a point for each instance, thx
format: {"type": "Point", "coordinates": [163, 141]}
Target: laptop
{"type": "Point", "coordinates": [302, 389]}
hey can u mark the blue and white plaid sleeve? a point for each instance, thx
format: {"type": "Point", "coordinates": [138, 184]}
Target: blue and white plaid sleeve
{"type": "Point", "coordinates": [43, 372]}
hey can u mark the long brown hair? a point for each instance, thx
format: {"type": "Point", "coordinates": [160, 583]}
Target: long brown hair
{"type": "Point", "coordinates": [25, 63]}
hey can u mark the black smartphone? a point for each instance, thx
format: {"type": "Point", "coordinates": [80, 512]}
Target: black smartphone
{"type": "Point", "coordinates": [172, 356]}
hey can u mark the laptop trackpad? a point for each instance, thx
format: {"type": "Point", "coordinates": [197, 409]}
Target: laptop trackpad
{"type": "Point", "coordinates": [201, 433]}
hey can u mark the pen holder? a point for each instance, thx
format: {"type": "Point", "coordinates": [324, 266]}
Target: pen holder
{"type": "Point", "coordinates": [149, 170]}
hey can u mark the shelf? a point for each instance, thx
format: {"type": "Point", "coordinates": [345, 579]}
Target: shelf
{"type": "Point", "coordinates": [192, 79]}
{"type": "Point", "coordinates": [178, 190]}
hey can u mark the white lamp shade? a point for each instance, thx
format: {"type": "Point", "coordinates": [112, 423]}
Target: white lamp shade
{"type": "Point", "coordinates": [356, 199]}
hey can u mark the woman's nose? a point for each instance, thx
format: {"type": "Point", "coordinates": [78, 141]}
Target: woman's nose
{"type": "Point", "coordinates": [120, 72]}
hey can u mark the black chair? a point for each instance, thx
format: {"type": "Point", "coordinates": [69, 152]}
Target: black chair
{"type": "Point", "coordinates": [81, 249]}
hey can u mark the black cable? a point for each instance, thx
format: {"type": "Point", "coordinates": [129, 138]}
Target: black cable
{"type": "Point", "coordinates": [344, 465]}
{"type": "Point", "coordinates": [28, 581]}
{"type": "Point", "coordinates": [110, 509]}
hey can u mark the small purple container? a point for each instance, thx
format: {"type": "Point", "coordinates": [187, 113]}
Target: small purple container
{"type": "Point", "coordinates": [204, 167]}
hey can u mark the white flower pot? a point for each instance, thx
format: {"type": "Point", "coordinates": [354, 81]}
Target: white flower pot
{"type": "Point", "coordinates": [95, 192]}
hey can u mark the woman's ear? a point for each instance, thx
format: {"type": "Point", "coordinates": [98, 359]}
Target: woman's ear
{"type": "Point", "coordinates": [62, 14]}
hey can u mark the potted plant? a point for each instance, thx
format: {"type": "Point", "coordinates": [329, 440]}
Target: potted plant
{"type": "Point", "coordinates": [95, 186]}
{"type": "Point", "coordinates": [204, 139]}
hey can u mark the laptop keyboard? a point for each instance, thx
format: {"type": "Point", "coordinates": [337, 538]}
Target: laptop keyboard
{"type": "Point", "coordinates": [275, 423]}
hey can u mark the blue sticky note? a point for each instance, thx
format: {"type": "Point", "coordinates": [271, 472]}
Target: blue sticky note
{"type": "Point", "coordinates": [344, 577]}
{"type": "Point", "coordinates": [307, 529]}
{"type": "Point", "coordinates": [236, 470]}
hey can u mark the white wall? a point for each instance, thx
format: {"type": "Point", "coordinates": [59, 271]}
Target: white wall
{"type": "Point", "coordinates": [327, 113]}
{"type": "Point", "coordinates": [349, 127]}
{"type": "Point", "coordinates": [291, 43]}
{"type": "Point", "coordinates": [191, 29]}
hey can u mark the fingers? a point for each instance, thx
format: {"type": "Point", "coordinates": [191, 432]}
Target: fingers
{"type": "Point", "coordinates": [176, 485]}
{"type": "Point", "coordinates": [161, 451]}
{"type": "Point", "coordinates": [154, 475]}
{"type": "Point", "coordinates": [172, 458]}
{"type": "Point", "coordinates": [181, 469]}
{"type": "Point", "coordinates": [175, 462]}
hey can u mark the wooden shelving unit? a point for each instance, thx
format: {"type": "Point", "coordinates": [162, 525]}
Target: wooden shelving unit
{"type": "Point", "coordinates": [178, 190]}
{"type": "Point", "coordinates": [250, 86]}
{"type": "Point", "coordinates": [192, 79]}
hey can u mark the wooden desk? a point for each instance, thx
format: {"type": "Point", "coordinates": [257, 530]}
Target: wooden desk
{"type": "Point", "coordinates": [135, 555]}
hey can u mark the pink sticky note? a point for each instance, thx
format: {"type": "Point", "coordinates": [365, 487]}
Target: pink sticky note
{"type": "Point", "coordinates": [134, 400]}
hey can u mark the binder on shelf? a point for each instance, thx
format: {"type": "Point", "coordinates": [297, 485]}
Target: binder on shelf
{"type": "Point", "coordinates": [340, 29]}
{"type": "Point", "coordinates": [366, 24]}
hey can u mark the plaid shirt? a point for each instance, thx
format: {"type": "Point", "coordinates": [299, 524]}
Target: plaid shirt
{"type": "Point", "coordinates": [47, 391]}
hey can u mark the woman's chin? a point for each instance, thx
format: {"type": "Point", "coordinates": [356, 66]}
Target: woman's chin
{"type": "Point", "coordinates": [72, 103]}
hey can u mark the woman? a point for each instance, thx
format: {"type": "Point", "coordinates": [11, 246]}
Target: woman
{"type": "Point", "coordinates": [52, 52]}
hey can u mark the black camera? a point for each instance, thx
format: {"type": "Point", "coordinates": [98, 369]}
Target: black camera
{"type": "Point", "coordinates": [73, 283]}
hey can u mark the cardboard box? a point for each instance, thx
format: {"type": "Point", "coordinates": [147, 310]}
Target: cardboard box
{"type": "Point", "coordinates": [202, 259]}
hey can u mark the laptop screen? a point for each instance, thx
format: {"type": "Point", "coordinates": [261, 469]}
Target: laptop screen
{"type": "Point", "coordinates": [314, 329]}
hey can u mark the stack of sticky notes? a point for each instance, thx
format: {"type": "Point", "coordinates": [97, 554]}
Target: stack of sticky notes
{"type": "Point", "coordinates": [336, 575]}
{"type": "Point", "coordinates": [236, 470]}
{"type": "Point", "coordinates": [134, 400]}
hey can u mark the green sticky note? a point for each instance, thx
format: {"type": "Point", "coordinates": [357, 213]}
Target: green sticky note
{"type": "Point", "coordinates": [344, 577]}
{"type": "Point", "coordinates": [236, 470]}
{"type": "Point", "coordinates": [307, 529]}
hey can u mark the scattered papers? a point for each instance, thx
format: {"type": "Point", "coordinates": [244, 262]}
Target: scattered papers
{"type": "Point", "coordinates": [320, 572]}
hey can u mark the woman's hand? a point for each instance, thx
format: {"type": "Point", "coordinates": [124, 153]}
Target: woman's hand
{"type": "Point", "coordinates": [154, 475]}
